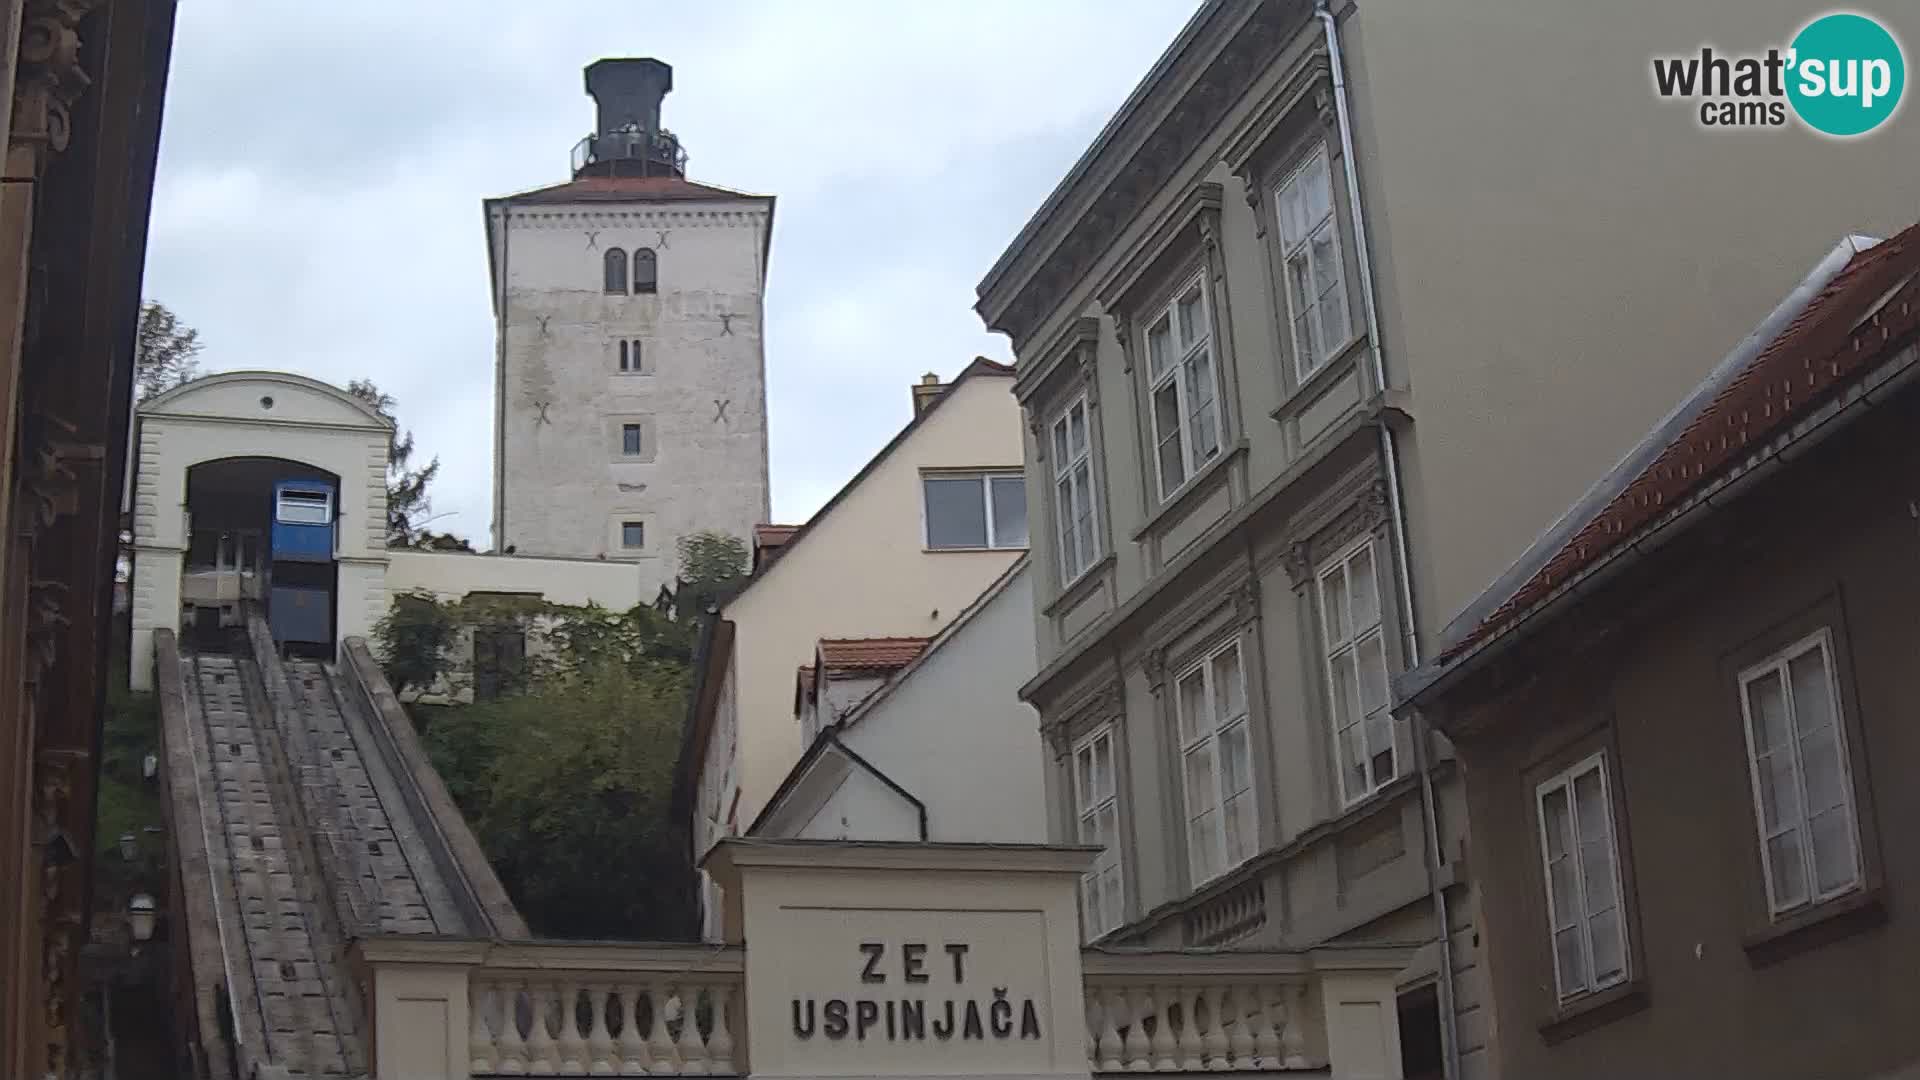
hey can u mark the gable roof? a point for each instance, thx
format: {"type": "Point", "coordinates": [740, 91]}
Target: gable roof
{"type": "Point", "coordinates": [1826, 337]}
{"type": "Point", "coordinates": [168, 400]}
{"type": "Point", "coordinates": [849, 655]}
{"type": "Point", "coordinates": [627, 189]}
{"type": "Point", "coordinates": [767, 542]}
{"type": "Point", "coordinates": [979, 367]}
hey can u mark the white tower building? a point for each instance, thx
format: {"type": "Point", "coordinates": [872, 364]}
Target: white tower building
{"type": "Point", "coordinates": [630, 393]}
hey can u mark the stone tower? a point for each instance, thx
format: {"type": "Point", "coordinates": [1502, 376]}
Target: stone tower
{"type": "Point", "coordinates": [630, 383]}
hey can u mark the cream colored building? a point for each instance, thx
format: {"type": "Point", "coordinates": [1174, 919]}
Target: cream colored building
{"type": "Point", "coordinates": [1339, 311]}
{"type": "Point", "coordinates": [907, 545]}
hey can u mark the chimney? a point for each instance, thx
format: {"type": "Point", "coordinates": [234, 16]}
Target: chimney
{"type": "Point", "coordinates": [924, 391]}
{"type": "Point", "coordinates": [627, 134]}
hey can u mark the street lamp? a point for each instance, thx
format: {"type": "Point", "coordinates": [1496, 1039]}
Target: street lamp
{"type": "Point", "coordinates": [140, 916]}
{"type": "Point", "coordinates": [129, 846]}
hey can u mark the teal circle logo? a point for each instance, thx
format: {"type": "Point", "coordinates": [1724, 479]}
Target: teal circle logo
{"type": "Point", "coordinates": [1846, 74]}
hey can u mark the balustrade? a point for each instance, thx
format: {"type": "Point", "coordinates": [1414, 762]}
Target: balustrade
{"type": "Point", "coordinates": [1198, 1012]}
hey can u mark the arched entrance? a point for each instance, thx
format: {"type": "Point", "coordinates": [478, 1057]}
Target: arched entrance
{"type": "Point", "coordinates": [260, 537]}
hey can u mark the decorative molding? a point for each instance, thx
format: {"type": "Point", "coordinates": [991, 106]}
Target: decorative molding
{"type": "Point", "coordinates": [1098, 707]}
{"type": "Point", "coordinates": [1123, 335]}
{"type": "Point", "coordinates": [49, 78]}
{"type": "Point", "coordinates": [1324, 108]}
{"type": "Point", "coordinates": [1198, 210]}
{"type": "Point", "coordinates": [1071, 356]}
{"type": "Point", "coordinates": [1150, 166]}
{"type": "Point", "coordinates": [1298, 562]}
{"type": "Point", "coordinates": [1154, 663]}
{"type": "Point", "coordinates": [1246, 601]}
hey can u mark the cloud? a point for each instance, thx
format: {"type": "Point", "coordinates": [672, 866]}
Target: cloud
{"type": "Point", "coordinates": [322, 166]}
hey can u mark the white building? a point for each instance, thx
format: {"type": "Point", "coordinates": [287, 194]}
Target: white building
{"type": "Point", "coordinates": [941, 750]}
{"type": "Point", "coordinates": [210, 456]}
{"type": "Point", "coordinates": [630, 394]}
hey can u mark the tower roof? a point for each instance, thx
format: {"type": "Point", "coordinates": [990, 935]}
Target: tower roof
{"type": "Point", "coordinates": [628, 189]}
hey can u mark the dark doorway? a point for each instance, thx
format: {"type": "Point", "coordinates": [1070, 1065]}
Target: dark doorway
{"type": "Point", "coordinates": [1421, 1057]}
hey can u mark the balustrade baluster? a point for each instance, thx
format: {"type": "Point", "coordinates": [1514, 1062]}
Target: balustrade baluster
{"type": "Point", "coordinates": [512, 1059]}
{"type": "Point", "coordinates": [543, 1055]}
{"type": "Point", "coordinates": [573, 1045]}
{"type": "Point", "coordinates": [1215, 1042]}
{"type": "Point", "coordinates": [1186, 1035]}
{"type": "Point", "coordinates": [600, 1060]}
{"type": "Point", "coordinates": [1165, 1047]}
{"type": "Point", "coordinates": [1240, 1037]}
{"type": "Point", "coordinates": [633, 1045]}
{"type": "Point", "coordinates": [1293, 1039]}
{"type": "Point", "coordinates": [1139, 1049]}
{"type": "Point", "coordinates": [693, 1050]}
{"type": "Point", "coordinates": [659, 1046]}
{"type": "Point", "coordinates": [720, 1043]}
{"type": "Point", "coordinates": [1266, 1038]}
{"type": "Point", "coordinates": [1112, 1015]}
{"type": "Point", "coordinates": [480, 1056]}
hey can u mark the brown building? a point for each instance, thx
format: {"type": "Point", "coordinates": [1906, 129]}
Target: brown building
{"type": "Point", "coordinates": [80, 90]}
{"type": "Point", "coordinates": [1686, 718]}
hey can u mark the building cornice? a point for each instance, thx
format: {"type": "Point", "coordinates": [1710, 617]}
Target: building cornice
{"type": "Point", "coordinates": [1134, 159]}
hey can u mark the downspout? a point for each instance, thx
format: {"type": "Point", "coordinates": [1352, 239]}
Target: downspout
{"type": "Point", "coordinates": [1396, 511]}
{"type": "Point", "coordinates": [500, 384]}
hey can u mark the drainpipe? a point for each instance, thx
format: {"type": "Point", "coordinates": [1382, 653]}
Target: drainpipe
{"type": "Point", "coordinates": [1396, 510]}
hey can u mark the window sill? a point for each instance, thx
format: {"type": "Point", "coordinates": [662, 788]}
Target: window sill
{"type": "Point", "coordinates": [1336, 367]}
{"type": "Point", "coordinates": [1597, 1009]}
{"type": "Point", "coordinates": [1080, 586]}
{"type": "Point", "coordinates": [1188, 493]}
{"type": "Point", "coordinates": [972, 550]}
{"type": "Point", "coordinates": [1841, 917]}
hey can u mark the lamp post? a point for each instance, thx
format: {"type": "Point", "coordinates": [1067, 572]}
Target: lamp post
{"type": "Point", "coordinates": [140, 916]}
{"type": "Point", "coordinates": [129, 847]}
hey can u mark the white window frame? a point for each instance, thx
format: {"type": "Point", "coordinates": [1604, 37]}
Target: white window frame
{"type": "Point", "coordinates": [1583, 919]}
{"type": "Point", "coordinates": [1088, 807]}
{"type": "Point", "coordinates": [312, 507]}
{"type": "Point", "coordinates": [1777, 665]}
{"type": "Point", "coordinates": [1075, 558]}
{"type": "Point", "coordinates": [985, 477]}
{"type": "Point", "coordinates": [1334, 647]}
{"type": "Point", "coordinates": [1309, 361]}
{"type": "Point", "coordinates": [1180, 354]}
{"type": "Point", "coordinates": [1209, 735]}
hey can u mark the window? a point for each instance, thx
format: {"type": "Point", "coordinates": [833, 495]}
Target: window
{"type": "Point", "coordinates": [1802, 793]}
{"type": "Point", "coordinates": [1097, 804]}
{"type": "Point", "coordinates": [1073, 491]}
{"type": "Point", "coordinates": [1357, 673]}
{"type": "Point", "coordinates": [299, 507]}
{"type": "Point", "coordinates": [1216, 763]}
{"type": "Point", "coordinates": [633, 535]}
{"type": "Point", "coordinates": [630, 356]}
{"type": "Point", "coordinates": [616, 272]}
{"type": "Point", "coordinates": [1180, 373]}
{"type": "Point", "coordinates": [982, 510]}
{"type": "Point", "coordinates": [1310, 245]}
{"type": "Point", "coordinates": [646, 270]}
{"type": "Point", "coordinates": [630, 440]}
{"type": "Point", "coordinates": [1584, 912]}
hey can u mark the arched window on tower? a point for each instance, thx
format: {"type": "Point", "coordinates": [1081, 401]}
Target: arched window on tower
{"type": "Point", "coordinates": [646, 270]}
{"type": "Point", "coordinates": [616, 264]}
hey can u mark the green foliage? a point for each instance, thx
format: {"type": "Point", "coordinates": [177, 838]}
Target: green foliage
{"type": "Point", "coordinates": [712, 565]}
{"type": "Point", "coordinates": [568, 790]}
{"type": "Point", "coordinates": [125, 801]}
{"type": "Point", "coordinates": [164, 351]}
{"type": "Point", "coordinates": [408, 509]}
{"type": "Point", "coordinates": [415, 640]}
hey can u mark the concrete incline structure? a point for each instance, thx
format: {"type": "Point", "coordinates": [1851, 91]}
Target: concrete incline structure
{"type": "Point", "coordinates": [304, 823]}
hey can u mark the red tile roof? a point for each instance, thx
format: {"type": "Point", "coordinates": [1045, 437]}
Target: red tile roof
{"type": "Point", "coordinates": [1835, 340]}
{"type": "Point", "coordinates": [628, 189]}
{"type": "Point", "coordinates": [848, 655]}
{"type": "Point", "coordinates": [772, 536]}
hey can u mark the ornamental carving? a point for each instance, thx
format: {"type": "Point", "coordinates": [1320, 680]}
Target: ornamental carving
{"type": "Point", "coordinates": [1298, 562]}
{"type": "Point", "coordinates": [60, 912]}
{"type": "Point", "coordinates": [1155, 666]}
{"type": "Point", "coordinates": [49, 78]}
{"type": "Point", "coordinates": [1123, 336]}
{"type": "Point", "coordinates": [1246, 601]}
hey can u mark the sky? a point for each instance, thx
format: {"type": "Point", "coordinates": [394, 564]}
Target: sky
{"type": "Point", "coordinates": [317, 206]}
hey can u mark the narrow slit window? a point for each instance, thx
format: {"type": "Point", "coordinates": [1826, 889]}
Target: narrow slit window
{"type": "Point", "coordinates": [630, 440]}
{"type": "Point", "coordinates": [616, 272]}
{"type": "Point", "coordinates": [646, 269]}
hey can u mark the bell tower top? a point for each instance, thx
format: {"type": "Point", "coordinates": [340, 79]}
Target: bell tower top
{"type": "Point", "coordinates": [628, 138]}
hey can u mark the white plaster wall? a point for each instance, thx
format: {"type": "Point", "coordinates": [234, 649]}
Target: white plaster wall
{"type": "Point", "coordinates": [862, 808]}
{"type": "Point", "coordinates": [955, 733]}
{"type": "Point", "coordinates": [453, 574]}
{"type": "Point", "coordinates": [862, 570]}
{"type": "Point", "coordinates": [561, 486]}
{"type": "Point", "coordinates": [224, 416]}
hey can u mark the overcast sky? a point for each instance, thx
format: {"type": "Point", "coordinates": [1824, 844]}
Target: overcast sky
{"type": "Point", "coordinates": [322, 165]}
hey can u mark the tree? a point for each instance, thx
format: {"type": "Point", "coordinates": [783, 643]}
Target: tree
{"type": "Point", "coordinates": [712, 566]}
{"type": "Point", "coordinates": [408, 509]}
{"type": "Point", "coordinates": [164, 351]}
